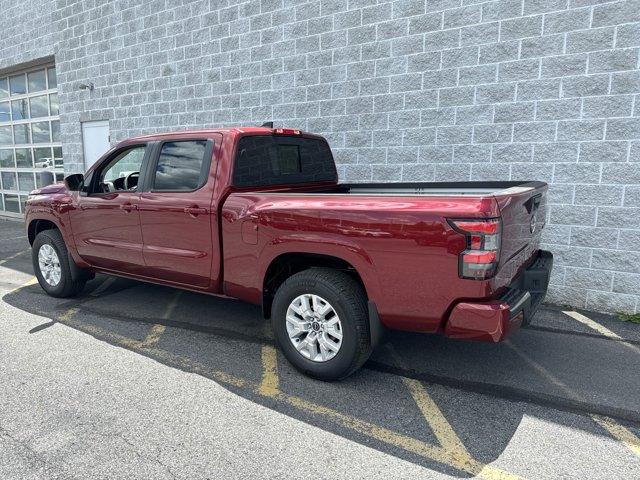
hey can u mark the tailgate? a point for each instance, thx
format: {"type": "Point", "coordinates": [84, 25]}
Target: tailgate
{"type": "Point", "coordinates": [523, 211]}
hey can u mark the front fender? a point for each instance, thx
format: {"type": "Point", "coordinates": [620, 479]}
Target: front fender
{"type": "Point", "coordinates": [57, 212]}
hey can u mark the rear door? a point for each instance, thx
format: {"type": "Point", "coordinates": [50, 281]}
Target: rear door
{"type": "Point", "coordinates": [176, 217]}
{"type": "Point", "coordinates": [523, 211]}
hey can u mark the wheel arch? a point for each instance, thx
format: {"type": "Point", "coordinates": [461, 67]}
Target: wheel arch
{"type": "Point", "coordinates": [38, 225]}
{"type": "Point", "coordinates": [287, 264]}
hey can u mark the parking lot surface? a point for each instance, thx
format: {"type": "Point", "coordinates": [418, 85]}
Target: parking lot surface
{"type": "Point", "coordinates": [132, 380]}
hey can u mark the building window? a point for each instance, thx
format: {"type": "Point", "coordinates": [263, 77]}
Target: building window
{"type": "Point", "coordinates": [30, 148]}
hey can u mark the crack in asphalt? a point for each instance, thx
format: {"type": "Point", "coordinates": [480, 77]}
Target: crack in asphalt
{"type": "Point", "coordinates": [35, 456]}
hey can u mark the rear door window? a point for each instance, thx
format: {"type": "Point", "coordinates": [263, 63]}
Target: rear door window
{"type": "Point", "coordinates": [182, 166]}
{"type": "Point", "coordinates": [264, 160]}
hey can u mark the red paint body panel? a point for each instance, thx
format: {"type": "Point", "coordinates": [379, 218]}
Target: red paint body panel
{"type": "Point", "coordinates": [487, 321]}
{"type": "Point", "coordinates": [402, 246]}
{"type": "Point", "coordinates": [403, 249]}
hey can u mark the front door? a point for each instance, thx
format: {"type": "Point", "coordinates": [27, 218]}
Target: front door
{"type": "Point", "coordinates": [176, 217]}
{"type": "Point", "coordinates": [106, 221]}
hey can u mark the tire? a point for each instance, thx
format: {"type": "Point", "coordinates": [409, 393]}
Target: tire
{"type": "Point", "coordinates": [66, 286]}
{"type": "Point", "coordinates": [347, 299]}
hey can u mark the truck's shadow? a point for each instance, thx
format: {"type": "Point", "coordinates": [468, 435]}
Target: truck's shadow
{"type": "Point", "coordinates": [482, 390]}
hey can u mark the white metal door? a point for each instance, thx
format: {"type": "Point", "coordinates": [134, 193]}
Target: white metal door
{"type": "Point", "coordinates": [95, 139]}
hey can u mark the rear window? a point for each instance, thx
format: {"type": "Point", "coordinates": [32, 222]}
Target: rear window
{"type": "Point", "coordinates": [272, 160]}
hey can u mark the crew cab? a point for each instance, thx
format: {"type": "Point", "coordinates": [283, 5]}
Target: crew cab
{"type": "Point", "coordinates": [258, 214]}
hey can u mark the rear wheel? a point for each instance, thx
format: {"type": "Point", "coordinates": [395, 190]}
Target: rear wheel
{"type": "Point", "coordinates": [320, 321]}
{"type": "Point", "coordinates": [51, 265]}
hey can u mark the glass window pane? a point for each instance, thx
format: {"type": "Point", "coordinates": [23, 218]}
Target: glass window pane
{"type": "Point", "coordinates": [55, 130]}
{"type": "Point", "coordinates": [37, 81]}
{"type": "Point", "coordinates": [38, 106]}
{"type": "Point", "coordinates": [9, 181]}
{"type": "Point", "coordinates": [5, 136]}
{"type": "Point", "coordinates": [123, 164]}
{"type": "Point", "coordinates": [24, 158]}
{"type": "Point", "coordinates": [6, 159]}
{"type": "Point", "coordinates": [26, 181]}
{"type": "Point", "coordinates": [4, 88]}
{"type": "Point", "coordinates": [12, 203]}
{"type": "Point", "coordinates": [53, 100]}
{"type": "Point", "coordinates": [268, 160]}
{"type": "Point", "coordinates": [43, 158]}
{"type": "Point", "coordinates": [180, 166]}
{"type": "Point", "coordinates": [51, 73]}
{"type": "Point", "coordinates": [57, 155]}
{"type": "Point", "coordinates": [19, 109]}
{"type": "Point", "coordinates": [1, 202]}
{"type": "Point", "coordinates": [5, 112]}
{"type": "Point", "coordinates": [45, 178]}
{"type": "Point", "coordinates": [59, 177]}
{"type": "Point", "coordinates": [18, 84]}
{"type": "Point", "coordinates": [40, 132]}
{"type": "Point", "coordinates": [21, 133]}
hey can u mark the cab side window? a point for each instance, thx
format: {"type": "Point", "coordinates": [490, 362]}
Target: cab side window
{"type": "Point", "coordinates": [122, 172]}
{"type": "Point", "coordinates": [182, 166]}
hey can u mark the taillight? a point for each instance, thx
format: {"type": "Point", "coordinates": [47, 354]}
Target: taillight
{"type": "Point", "coordinates": [480, 258]}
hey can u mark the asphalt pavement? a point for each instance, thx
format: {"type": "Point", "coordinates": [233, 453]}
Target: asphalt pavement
{"type": "Point", "coordinates": [132, 380]}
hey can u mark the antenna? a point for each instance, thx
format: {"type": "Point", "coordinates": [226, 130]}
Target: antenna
{"type": "Point", "coordinates": [267, 124]}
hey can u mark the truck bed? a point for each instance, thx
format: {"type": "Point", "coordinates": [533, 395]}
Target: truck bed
{"type": "Point", "coordinates": [480, 189]}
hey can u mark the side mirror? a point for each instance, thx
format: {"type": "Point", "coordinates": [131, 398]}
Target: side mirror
{"type": "Point", "coordinates": [74, 182]}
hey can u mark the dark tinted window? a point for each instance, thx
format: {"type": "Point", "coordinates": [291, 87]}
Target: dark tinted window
{"type": "Point", "coordinates": [181, 166]}
{"type": "Point", "coordinates": [273, 160]}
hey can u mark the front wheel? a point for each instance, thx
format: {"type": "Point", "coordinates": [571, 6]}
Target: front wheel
{"type": "Point", "coordinates": [51, 265]}
{"type": "Point", "coordinates": [320, 321]}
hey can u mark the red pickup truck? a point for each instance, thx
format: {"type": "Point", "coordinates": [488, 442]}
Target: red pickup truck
{"type": "Point", "coordinates": [258, 214]}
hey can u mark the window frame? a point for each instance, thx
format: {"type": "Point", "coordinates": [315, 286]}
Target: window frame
{"type": "Point", "coordinates": [205, 168]}
{"type": "Point", "coordinates": [97, 171]}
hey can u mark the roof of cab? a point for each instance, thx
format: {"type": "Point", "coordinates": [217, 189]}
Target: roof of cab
{"type": "Point", "coordinates": [180, 133]}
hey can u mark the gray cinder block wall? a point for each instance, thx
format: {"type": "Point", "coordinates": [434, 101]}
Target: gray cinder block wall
{"type": "Point", "coordinates": [410, 90]}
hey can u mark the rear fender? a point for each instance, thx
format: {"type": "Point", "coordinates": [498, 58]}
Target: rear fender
{"type": "Point", "coordinates": [330, 246]}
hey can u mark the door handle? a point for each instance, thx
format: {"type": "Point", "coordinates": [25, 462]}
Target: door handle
{"type": "Point", "coordinates": [195, 211]}
{"type": "Point", "coordinates": [127, 207]}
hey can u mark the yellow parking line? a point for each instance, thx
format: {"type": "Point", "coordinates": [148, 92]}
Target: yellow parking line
{"type": "Point", "coordinates": [599, 328]}
{"type": "Point", "coordinates": [153, 336]}
{"type": "Point", "coordinates": [157, 330]}
{"type": "Point", "coordinates": [5, 260]}
{"type": "Point", "coordinates": [172, 305]}
{"type": "Point", "coordinates": [443, 430]}
{"type": "Point", "coordinates": [620, 433]}
{"type": "Point", "coordinates": [28, 283]}
{"type": "Point", "coordinates": [617, 431]}
{"type": "Point", "coordinates": [434, 416]}
{"type": "Point", "coordinates": [66, 316]}
{"type": "Point", "coordinates": [270, 385]}
{"type": "Point", "coordinates": [381, 434]}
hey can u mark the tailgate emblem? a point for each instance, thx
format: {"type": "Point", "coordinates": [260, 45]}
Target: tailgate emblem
{"type": "Point", "coordinates": [532, 223]}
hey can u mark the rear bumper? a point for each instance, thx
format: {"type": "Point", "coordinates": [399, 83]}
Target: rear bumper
{"type": "Point", "coordinates": [493, 320]}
